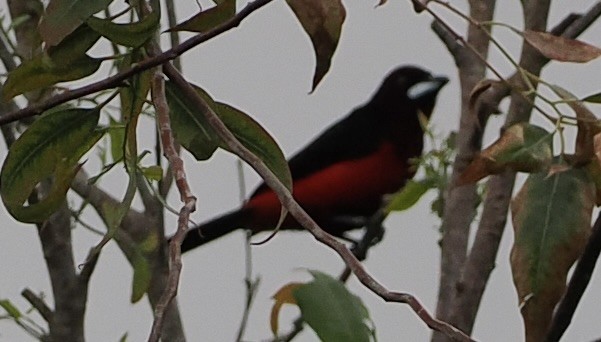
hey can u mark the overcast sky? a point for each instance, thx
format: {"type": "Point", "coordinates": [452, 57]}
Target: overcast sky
{"type": "Point", "coordinates": [264, 67]}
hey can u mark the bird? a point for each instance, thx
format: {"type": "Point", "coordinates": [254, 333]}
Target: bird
{"type": "Point", "coordinates": [342, 176]}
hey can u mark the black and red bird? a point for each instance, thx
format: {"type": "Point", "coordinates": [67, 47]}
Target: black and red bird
{"type": "Point", "coordinates": [340, 178]}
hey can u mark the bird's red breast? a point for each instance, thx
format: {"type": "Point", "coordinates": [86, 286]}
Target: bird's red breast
{"type": "Point", "coordinates": [344, 187]}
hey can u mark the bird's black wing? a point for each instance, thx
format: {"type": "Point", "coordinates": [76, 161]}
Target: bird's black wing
{"type": "Point", "coordinates": [351, 138]}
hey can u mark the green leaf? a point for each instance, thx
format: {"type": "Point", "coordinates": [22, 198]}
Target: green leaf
{"type": "Point", "coordinates": [256, 139]}
{"type": "Point", "coordinates": [142, 276]}
{"type": "Point", "coordinates": [154, 172]}
{"type": "Point", "coordinates": [10, 309]}
{"type": "Point", "coordinates": [194, 133]}
{"type": "Point", "coordinates": [595, 98]}
{"type": "Point", "coordinates": [50, 147]}
{"type": "Point", "coordinates": [593, 170]}
{"type": "Point", "coordinates": [141, 265]}
{"type": "Point", "coordinates": [332, 311]}
{"type": "Point", "coordinates": [132, 35]}
{"type": "Point", "coordinates": [551, 217]}
{"type": "Point", "coordinates": [112, 214]}
{"type": "Point", "coordinates": [322, 20]}
{"type": "Point", "coordinates": [150, 243]}
{"type": "Point", "coordinates": [74, 46]}
{"type": "Point", "coordinates": [117, 136]}
{"type": "Point", "coordinates": [37, 73]}
{"type": "Point", "coordinates": [409, 195]}
{"type": "Point", "coordinates": [190, 128]}
{"type": "Point", "coordinates": [62, 17]}
{"type": "Point", "coordinates": [133, 97]}
{"type": "Point", "coordinates": [65, 62]}
{"type": "Point", "coordinates": [209, 19]}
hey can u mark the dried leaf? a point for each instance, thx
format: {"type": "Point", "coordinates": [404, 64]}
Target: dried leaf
{"type": "Point", "coordinates": [560, 48]}
{"type": "Point", "coordinates": [522, 147]}
{"type": "Point", "coordinates": [322, 20]}
{"type": "Point", "coordinates": [478, 90]}
{"type": "Point", "coordinates": [282, 296]}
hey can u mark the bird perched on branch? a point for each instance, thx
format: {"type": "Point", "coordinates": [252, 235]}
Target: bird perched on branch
{"type": "Point", "coordinates": [341, 177]}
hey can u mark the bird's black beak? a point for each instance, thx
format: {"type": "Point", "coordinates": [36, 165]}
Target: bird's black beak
{"type": "Point", "coordinates": [426, 88]}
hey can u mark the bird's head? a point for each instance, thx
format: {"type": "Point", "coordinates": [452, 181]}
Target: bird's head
{"type": "Point", "coordinates": [410, 85]}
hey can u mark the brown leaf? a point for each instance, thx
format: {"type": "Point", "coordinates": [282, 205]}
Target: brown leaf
{"type": "Point", "coordinates": [551, 218]}
{"type": "Point", "coordinates": [283, 296]}
{"type": "Point", "coordinates": [322, 20]}
{"type": "Point", "coordinates": [560, 48]}
{"type": "Point", "coordinates": [475, 171]}
{"type": "Point", "coordinates": [521, 147]}
{"type": "Point", "coordinates": [479, 88]}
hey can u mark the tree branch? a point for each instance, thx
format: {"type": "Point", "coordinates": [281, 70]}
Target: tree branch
{"type": "Point", "coordinates": [460, 202]}
{"type": "Point", "coordinates": [38, 303]}
{"type": "Point", "coordinates": [482, 257]}
{"type": "Point", "coordinates": [175, 256]}
{"type": "Point", "coordinates": [69, 296]}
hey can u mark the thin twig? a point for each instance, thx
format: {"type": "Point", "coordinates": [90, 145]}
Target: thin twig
{"type": "Point", "coordinates": [175, 256]}
{"type": "Point", "coordinates": [251, 284]}
{"type": "Point", "coordinates": [173, 35]}
{"type": "Point", "coordinates": [302, 217]}
{"type": "Point", "coordinates": [165, 184]}
{"type": "Point", "coordinates": [38, 303]}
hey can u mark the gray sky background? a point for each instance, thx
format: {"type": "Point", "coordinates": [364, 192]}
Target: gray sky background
{"type": "Point", "coordinates": [265, 67]}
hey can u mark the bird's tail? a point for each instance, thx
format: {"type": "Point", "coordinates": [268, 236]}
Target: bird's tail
{"type": "Point", "coordinates": [214, 229]}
